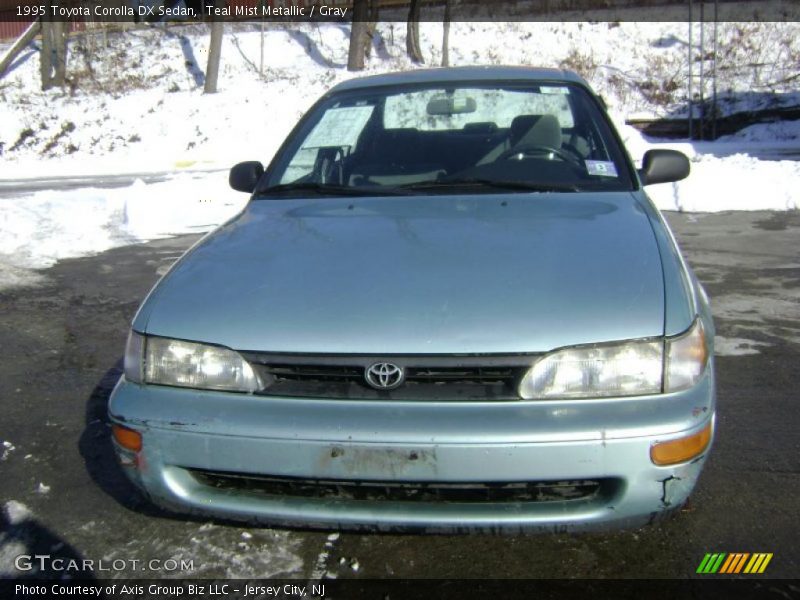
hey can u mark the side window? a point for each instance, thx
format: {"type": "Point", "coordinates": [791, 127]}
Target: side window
{"type": "Point", "coordinates": [332, 139]}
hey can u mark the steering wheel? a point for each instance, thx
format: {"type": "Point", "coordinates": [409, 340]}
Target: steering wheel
{"type": "Point", "coordinates": [563, 153]}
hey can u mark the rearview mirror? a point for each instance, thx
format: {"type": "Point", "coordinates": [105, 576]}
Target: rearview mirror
{"type": "Point", "coordinates": [244, 176]}
{"type": "Point", "coordinates": [663, 166]}
{"type": "Point", "coordinates": [448, 105]}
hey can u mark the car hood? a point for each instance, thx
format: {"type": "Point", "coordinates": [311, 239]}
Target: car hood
{"type": "Point", "coordinates": [417, 275]}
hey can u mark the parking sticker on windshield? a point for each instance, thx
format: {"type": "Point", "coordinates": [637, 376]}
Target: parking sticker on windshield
{"type": "Point", "coordinates": [547, 89]}
{"type": "Point", "coordinates": [603, 168]}
{"type": "Point", "coordinates": [339, 127]}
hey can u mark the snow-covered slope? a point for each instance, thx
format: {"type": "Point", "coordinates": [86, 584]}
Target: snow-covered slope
{"type": "Point", "coordinates": [135, 100]}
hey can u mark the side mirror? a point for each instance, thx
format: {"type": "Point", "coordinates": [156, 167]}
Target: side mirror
{"type": "Point", "coordinates": [663, 166]}
{"type": "Point", "coordinates": [244, 176]}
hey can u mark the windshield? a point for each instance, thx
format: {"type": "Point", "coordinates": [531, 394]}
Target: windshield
{"type": "Point", "coordinates": [477, 138]}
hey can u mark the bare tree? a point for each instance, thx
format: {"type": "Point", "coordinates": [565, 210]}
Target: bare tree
{"type": "Point", "coordinates": [214, 51]}
{"type": "Point", "coordinates": [359, 35]}
{"type": "Point", "coordinates": [372, 26]}
{"type": "Point", "coordinates": [446, 35]}
{"type": "Point", "coordinates": [412, 33]}
{"type": "Point", "coordinates": [53, 56]}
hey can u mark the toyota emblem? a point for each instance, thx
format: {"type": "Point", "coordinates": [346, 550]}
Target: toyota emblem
{"type": "Point", "coordinates": [384, 376]}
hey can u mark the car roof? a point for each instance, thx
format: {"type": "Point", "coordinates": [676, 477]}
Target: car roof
{"type": "Point", "coordinates": [460, 74]}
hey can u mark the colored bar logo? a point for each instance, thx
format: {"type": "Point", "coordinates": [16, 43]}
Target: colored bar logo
{"type": "Point", "coordinates": [735, 562]}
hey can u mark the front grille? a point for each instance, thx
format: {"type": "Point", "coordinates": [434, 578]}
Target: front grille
{"type": "Point", "coordinates": [425, 377]}
{"type": "Point", "coordinates": [523, 491]}
{"type": "Point", "coordinates": [414, 375]}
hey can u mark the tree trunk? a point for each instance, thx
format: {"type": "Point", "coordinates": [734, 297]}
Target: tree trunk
{"type": "Point", "coordinates": [60, 29]}
{"type": "Point", "coordinates": [446, 35]}
{"type": "Point", "coordinates": [53, 55]}
{"type": "Point", "coordinates": [46, 55]}
{"type": "Point", "coordinates": [214, 52]}
{"type": "Point", "coordinates": [358, 35]}
{"type": "Point", "coordinates": [371, 27]}
{"type": "Point", "coordinates": [18, 46]}
{"type": "Point", "coordinates": [412, 33]}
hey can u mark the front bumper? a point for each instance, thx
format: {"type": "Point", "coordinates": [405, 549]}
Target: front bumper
{"type": "Point", "coordinates": [189, 431]}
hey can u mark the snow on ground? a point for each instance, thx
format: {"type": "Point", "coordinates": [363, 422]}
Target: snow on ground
{"type": "Point", "coordinates": [9, 551]}
{"type": "Point", "coordinates": [16, 512]}
{"type": "Point", "coordinates": [14, 515]}
{"type": "Point", "coordinates": [135, 105]}
{"type": "Point", "coordinates": [39, 229]}
{"type": "Point", "coordinates": [724, 346]}
{"type": "Point", "coordinates": [737, 182]}
{"type": "Point", "coordinates": [777, 132]}
{"type": "Point", "coordinates": [8, 448]}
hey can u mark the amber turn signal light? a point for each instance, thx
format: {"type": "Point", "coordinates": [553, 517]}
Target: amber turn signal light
{"type": "Point", "coordinates": [682, 449]}
{"type": "Point", "coordinates": [127, 438]}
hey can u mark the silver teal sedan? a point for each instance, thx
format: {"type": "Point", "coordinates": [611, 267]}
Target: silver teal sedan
{"type": "Point", "coordinates": [449, 304]}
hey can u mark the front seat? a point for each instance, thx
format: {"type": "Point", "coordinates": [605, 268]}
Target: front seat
{"type": "Point", "coordinates": [535, 130]}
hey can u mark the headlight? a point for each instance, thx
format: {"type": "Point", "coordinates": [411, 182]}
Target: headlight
{"type": "Point", "coordinates": [188, 364]}
{"type": "Point", "coordinates": [625, 369]}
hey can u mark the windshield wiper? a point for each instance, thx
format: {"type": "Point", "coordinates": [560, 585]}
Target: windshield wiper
{"type": "Point", "coordinates": [334, 189]}
{"type": "Point", "coordinates": [497, 184]}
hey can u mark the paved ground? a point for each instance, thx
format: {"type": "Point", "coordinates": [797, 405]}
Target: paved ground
{"type": "Point", "coordinates": [62, 493]}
